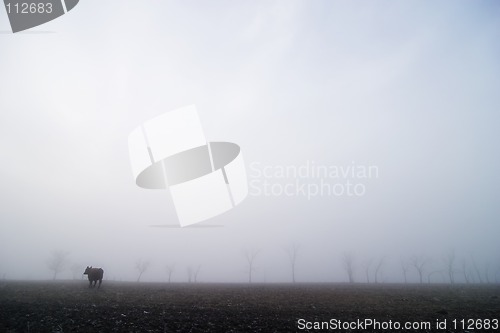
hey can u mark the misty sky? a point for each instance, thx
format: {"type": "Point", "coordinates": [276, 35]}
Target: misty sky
{"type": "Point", "coordinates": [409, 87]}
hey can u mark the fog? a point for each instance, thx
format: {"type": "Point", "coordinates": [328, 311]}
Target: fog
{"type": "Point", "coordinates": [314, 93]}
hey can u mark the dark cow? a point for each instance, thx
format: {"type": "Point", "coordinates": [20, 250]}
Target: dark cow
{"type": "Point", "coordinates": [95, 274]}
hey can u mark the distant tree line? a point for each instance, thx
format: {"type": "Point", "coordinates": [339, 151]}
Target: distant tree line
{"type": "Point", "coordinates": [417, 268]}
{"type": "Point", "coordinates": [426, 270]}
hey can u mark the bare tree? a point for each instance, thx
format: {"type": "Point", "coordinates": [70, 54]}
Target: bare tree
{"type": "Point", "coordinates": [450, 266]}
{"type": "Point", "coordinates": [419, 264]}
{"type": "Point", "coordinates": [195, 273]}
{"type": "Point", "coordinates": [170, 270]}
{"type": "Point", "coordinates": [58, 262]}
{"type": "Point", "coordinates": [465, 271]}
{"type": "Point", "coordinates": [348, 264]}
{"type": "Point", "coordinates": [366, 266]}
{"type": "Point", "coordinates": [250, 256]}
{"type": "Point", "coordinates": [189, 271]}
{"type": "Point", "coordinates": [141, 266]}
{"type": "Point", "coordinates": [378, 268]}
{"type": "Point", "coordinates": [405, 267]}
{"type": "Point", "coordinates": [292, 252]}
{"type": "Point", "coordinates": [476, 269]}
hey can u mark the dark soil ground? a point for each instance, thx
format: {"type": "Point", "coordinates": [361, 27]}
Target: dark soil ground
{"type": "Point", "coordinates": [69, 306]}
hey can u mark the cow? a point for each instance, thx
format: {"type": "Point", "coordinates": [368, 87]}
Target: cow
{"type": "Point", "coordinates": [94, 274]}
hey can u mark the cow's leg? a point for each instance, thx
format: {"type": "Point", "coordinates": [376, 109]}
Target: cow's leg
{"type": "Point", "coordinates": [100, 281]}
{"type": "Point", "coordinates": [90, 283]}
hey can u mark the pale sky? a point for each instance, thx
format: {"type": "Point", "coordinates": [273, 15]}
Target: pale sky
{"type": "Point", "coordinates": [411, 87]}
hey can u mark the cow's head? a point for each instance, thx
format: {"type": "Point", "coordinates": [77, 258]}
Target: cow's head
{"type": "Point", "coordinates": [87, 270]}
